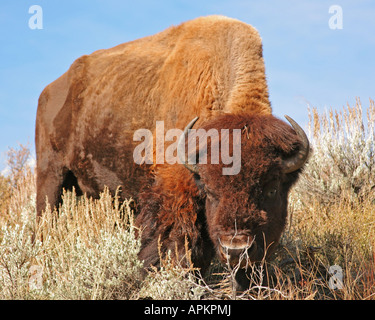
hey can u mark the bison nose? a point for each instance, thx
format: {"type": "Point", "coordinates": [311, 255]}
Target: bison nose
{"type": "Point", "coordinates": [237, 249]}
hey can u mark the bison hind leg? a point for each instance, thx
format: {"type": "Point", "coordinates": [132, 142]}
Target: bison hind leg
{"type": "Point", "coordinates": [50, 186]}
{"type": "Point", "coordinates": [70, 181]}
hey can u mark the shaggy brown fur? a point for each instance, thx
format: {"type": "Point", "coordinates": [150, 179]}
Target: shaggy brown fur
{"type": "Point", "coordinates": [211, 67]}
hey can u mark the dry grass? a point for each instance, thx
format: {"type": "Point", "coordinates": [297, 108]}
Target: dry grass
{"type": "Point", "coordinates": [89, 248]}
{"type": "Point", "coordinates": [343, 160]}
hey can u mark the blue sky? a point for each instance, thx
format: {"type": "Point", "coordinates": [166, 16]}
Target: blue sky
{"type": "Point", "coordinates": [306, 61]}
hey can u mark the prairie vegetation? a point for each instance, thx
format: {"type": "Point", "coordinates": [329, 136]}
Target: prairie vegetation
{"type": "Point", "coordinates": [87, 248]}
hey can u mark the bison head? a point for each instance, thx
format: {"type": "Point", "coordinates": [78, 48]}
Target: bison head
{"type": "Point", "coordinates": [246, 212]}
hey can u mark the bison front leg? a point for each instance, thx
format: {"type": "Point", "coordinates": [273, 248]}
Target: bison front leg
{"type": "Point", "coordinates": [242, 280]}
{"type": "Point", "coordinates": [182, 234]}
{"type": "Point", "coordinates": [157, 246]}
{"type": "Point", "coordinates": [50, 185]}
{"type": "Point", "coordinates": [255, 275]}
{"type": "Point", "coordinates": [185, 248]}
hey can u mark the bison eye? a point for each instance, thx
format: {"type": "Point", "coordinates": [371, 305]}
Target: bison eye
{"type": "Point", "coordinates": [271, 194]}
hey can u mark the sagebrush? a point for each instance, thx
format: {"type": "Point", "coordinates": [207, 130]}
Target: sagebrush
{"type": "Point", "coordinates": [87, 248]}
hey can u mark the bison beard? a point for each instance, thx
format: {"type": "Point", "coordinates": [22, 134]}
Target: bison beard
{"type": "Point", "coordinates": [232, 216]}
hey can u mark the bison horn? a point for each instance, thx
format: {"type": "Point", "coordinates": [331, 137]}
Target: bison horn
{"type": "Point", "coordinates": [294, 163]}
{"type": "Point", "coordinates": [181, 148]}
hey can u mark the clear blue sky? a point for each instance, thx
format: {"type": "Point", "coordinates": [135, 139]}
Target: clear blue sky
{"type": "Point", "coordinates": [306, 61]}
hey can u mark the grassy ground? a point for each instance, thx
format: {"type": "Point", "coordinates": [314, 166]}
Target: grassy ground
{"type": "Point", "coordinates": [89, 248]}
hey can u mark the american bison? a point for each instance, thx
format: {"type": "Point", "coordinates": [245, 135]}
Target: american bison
{"type": "Point", "coordinates": [211, 68]}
